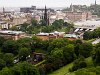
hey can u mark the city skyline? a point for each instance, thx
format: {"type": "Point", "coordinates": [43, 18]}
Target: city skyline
{"type": "Point", "coordinates": [42, 3]}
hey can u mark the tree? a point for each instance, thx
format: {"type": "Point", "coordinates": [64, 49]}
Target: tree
{"type": "Point", "coordinates": [1, 41]}
{"type": "Point", "coordinates": [9, 58]}
{"type": "Point", "coordinates": [57, 57]}
{"type": "Point", "coordinates": [83, 64]}
{"type": "Point", "coordinates": [69, 25]}
{"type": "Point", "coordinates": [23, 27]}
{"type": "Point", "coordinates": [47, 29]}
{"type": "Point", "coordinates": [23, 53]}
{"type": "Point", "coordinates": [78, 41]}
{"type": "Point", "coordinates": [91, 34]}
{"type": "Point", "coordinates": [6, 71]}
{"type": "Point", "coordinates": [57, 53]}
{"type": "Point", "coordinates": [98, 70]}
{"type": "Point", "coordinates": [1, 55]}
{"type": "Point", "coordinates": [36, 43]}
{"type": "Point", "coordinates": [77, 46]}
{"type": "Point", "coordinates": [42, 23]}
{"type": "Point", "coordinates": [85, 49]}
{"type": "Point", "coordinates": [78, 64]}
{"type": "Point", "coordinates": [2, 64]}
{"type": "Point", "coordinates": [68, 53]}
{"type": "Point", "coordinates": [57, 43]}
{"type": "Point", "coordinates": [25, 42]}
{"type": "Point", "coordinates": [34, 22]}
{"type": "Point", "coordinates": [96, 56]}
{"type": "Point", "coordinates": [76, 49]}
{"type": "Point", "coordinates": [24, 68]}
{"type": "Point", "coordinates": [58, 23]}
{"type": "Point", "coordinates": [10, 46]}
{"type": "Point", "coordinates": [95, 9]}
{"type": "Point", "coordinates": [45, 44]}
{"type": "Point", "coordinates": [88, 35]}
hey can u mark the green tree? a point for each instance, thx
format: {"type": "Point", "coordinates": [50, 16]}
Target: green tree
{"type": "Point", "coordinates": [23, 53]}
{"type": "Point", "coordinates": [42, 22]}
{"type": "Point", "coordinates": [6, 71]}
{"type": "Point", "coordinates": [58, 56]}
{"type": "Point", "coordinates": [23, 27]}
{"type": "Point", "coordinates": [8, 58]}
{"type": "Point", "coordinates": [25, 42]}
{"type": "Point", "coordinates": [34, 22]}
{"type": "Point", "coordinates": [47, 29]}
{"type": "Point", "coordinates": [24, 69]}
{"type": "Point", "coordinates": [58, 23]}
{"type": "Point", "coordinates": [36, 43]}
{"type": "Point", "coordinates": [78, 41]}
{"type": "Point", "coordinates": [1, 55]}
{"type": "Point", "coordinates": [68, 53]}
{"type": "Point", "coordinates": [85, 49]}
{"type": "Point", "coordinates": [58, 43]}
{"type": "Point", "coordinates": [88, 35]}
{"type": "Point", "coordinates": [78, 64]}
{"type": "Point", "coordinates": [76, 49]}
{"type": "Point", "coordinates": [77, 46]}
{"type": "Point", "coordinates": [57, 53]}
{"type": "Point", "coordinates": [96, 56]}
{"type": "Point", "coordinates": [98, 70]}
{"type": "Point", "coordinates": [10, 46]}
{"type": "Point", "coordinates": [2, 41]}
{"type": "Point", "coordinates": [2, 64]}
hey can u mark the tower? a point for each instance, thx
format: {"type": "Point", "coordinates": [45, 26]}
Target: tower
{"type": "Point", "coordinates": [71, 7]}
{"type": "Point", "coordinates": [95, 6]}
{"type": "Point", "coordinates": [95, 2]}
{"type": "Point", "coordinates": [3, 10]}
{"type": "Point", "coordinates": [46, 16]}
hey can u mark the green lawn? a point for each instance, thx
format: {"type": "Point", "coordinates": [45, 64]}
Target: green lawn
{"type": "Point", "coordinates": [90, 41]}
{"type": "Point", "coordinates": [63, 70]}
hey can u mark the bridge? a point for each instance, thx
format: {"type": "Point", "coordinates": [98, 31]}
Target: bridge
{"type": "Point", "coordinates": [87, 25]}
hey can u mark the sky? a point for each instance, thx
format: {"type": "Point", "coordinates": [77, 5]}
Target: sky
{"type": "Point", "coordinates": [42, 3]}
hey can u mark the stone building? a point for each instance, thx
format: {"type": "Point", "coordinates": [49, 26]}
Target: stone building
{"type": "Point", "coordinates": [78, 16]}
{"type": "Point", "coordinates": [14, 35]}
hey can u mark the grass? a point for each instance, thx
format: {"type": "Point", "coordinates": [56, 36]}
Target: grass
{"type": "Point", "coordinates": [63, 71]}
{"type": "Point", "coordinates": [90, 41]}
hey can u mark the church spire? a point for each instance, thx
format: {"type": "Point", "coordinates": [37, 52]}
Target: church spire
{"type": "Point", "coordinates": [3, 10]}
{"type": "Point", "coordinates": [95, 2]}
{"type": "Point", "coordinates": [46, 16]}
{"type": "Point", "coordinates": [45, 8]}
{"type": "Point", "coordinates": [71, 7]}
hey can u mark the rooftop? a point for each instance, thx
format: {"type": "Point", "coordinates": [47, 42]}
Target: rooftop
{"type": "Point", "coordinates": [10, 32]}
{"type": "Point", "coordinates": [70, 36]}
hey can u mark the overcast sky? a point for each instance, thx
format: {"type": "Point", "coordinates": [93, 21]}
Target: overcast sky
{"type": "Point", "coordinates": [42, 3]}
